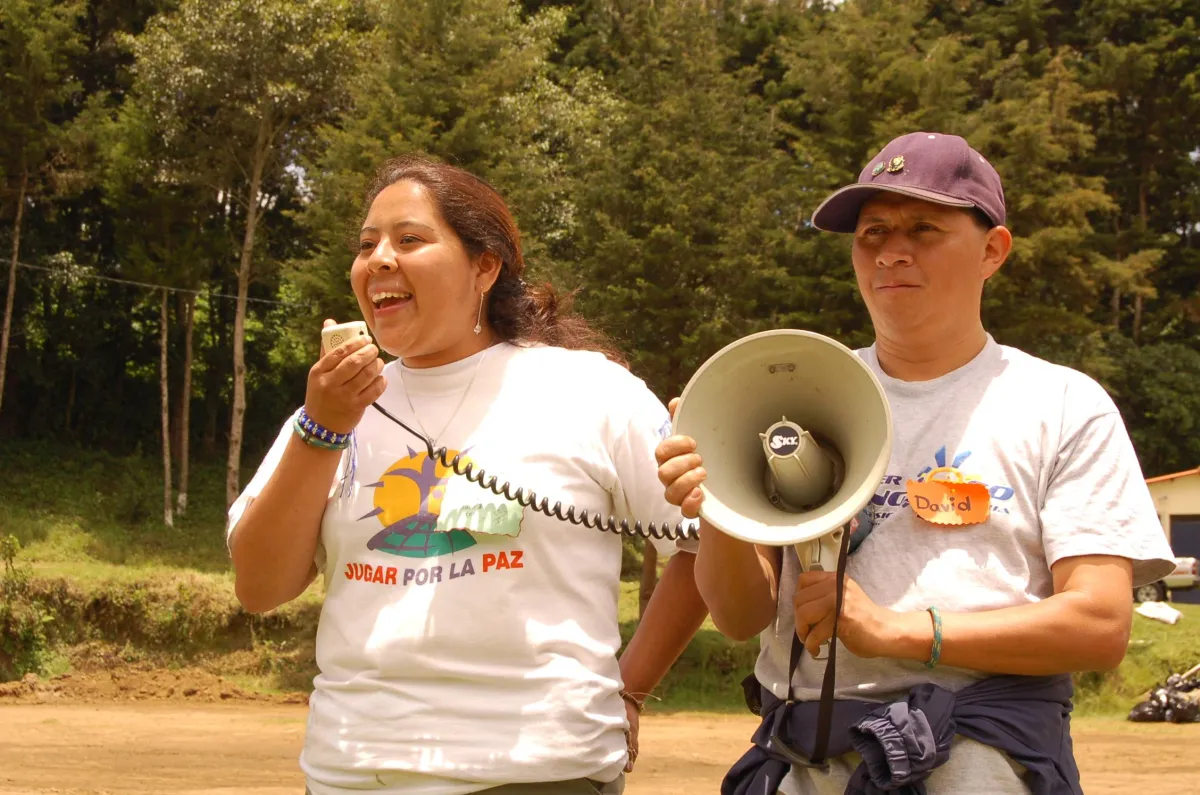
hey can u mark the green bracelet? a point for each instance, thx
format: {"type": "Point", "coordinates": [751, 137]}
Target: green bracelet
{"type": "Point", "coordinates": [936, 654]}
{"type": "Point", "coordinates": [314, 441]}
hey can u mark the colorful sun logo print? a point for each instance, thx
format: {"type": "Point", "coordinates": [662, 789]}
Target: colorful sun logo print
{"type": "Point", "coordinates": [408, 502]}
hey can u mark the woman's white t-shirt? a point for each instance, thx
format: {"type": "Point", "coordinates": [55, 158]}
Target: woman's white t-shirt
{"type": "Point", "coordinates": [466, 642]}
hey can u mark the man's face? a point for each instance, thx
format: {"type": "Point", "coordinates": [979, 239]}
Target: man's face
{"type": "Point", "coordinates": [921, 266]}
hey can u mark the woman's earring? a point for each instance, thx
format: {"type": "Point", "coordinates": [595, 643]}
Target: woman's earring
{"type": "Point", "coordinates": [479, 317]}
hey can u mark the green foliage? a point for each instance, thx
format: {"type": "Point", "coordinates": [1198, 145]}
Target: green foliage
{"type": "Point", "coordinates": [663, 159]}
{"type": "Point", "coordinates": [166, 597]}
{"type": "Point", "coordinates": [707, 676]}
{"type": "Point", "coordinates": [38, 39]}
{"type": "Point", "coordinates": [216, 72]}
{"type": "Point", "coordinates": [70, 506]}
{"type": "Point", "coordinates": [468, 82]}
{"type": "Point", "coordinates": [227, 99]}
{"type": "Point", "coordinates": [1155, 386]}
{"type": "Point", "coordinates": [1041, 298]}
{"type": "Point", "coordinates": [687, 219]}
{"type": "Point", "coordinates": [25, 625]}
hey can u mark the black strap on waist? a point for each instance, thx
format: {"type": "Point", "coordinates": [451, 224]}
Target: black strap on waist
{"type": "Point", "coordinates": [825, 708]}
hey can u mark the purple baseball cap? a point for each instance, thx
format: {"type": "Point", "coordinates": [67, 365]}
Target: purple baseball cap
{"type": "Point", "coordinates": [939, 168]}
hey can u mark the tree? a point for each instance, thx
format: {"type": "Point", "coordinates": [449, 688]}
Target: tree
{"type": "Point", "coordinates": [187, 308]}
{"type": "Point", "coordinates": [686, 217]}
{"type": "Point", "coordinates": [236, 88]}
{"type": "Point", "coordinates": [469, 82]}
{"type": "Point", "coordinates": [164, 233]}
{"type": "Point", "coordinates": [1155, 386]}
{"type": "Point", "coordinates": [164, 336]}
{"type": "Point", "coordinates": [38, 38]}
{"type": "Point", "coordinates": [1033, 131]}
{"type": "Point", "coordinates": [1145, 56]}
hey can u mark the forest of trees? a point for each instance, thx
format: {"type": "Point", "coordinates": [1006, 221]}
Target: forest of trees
{"type": "Point", "coordinates": [662, 158]}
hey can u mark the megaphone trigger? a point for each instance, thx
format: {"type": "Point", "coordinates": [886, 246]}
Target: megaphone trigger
{"type": "Point", "coordinates": [821, 554]}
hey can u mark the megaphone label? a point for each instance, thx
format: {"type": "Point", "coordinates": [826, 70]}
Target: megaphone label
{"type": "Point", "coordinates": [949, 502]}
{"type": "Point", "coordinates": [784, 441]}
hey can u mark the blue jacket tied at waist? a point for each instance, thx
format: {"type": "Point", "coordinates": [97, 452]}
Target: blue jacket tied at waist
{"type": "Point", "coordinates": [901, 743]}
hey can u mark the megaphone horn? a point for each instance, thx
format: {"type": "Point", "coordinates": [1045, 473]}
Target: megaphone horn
{"type": "Point", "coordinates": [795, 432]}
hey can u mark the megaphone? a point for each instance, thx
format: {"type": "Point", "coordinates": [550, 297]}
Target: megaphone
{"type": "Point", "coordinates": [795, 432]}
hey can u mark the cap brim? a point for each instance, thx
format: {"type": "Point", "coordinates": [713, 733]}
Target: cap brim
{"type": "Point", "coordinates": [839, 212]}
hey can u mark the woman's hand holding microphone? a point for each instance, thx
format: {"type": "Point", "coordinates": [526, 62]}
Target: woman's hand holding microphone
{"type": "Point", "coordinates": [343, 382]}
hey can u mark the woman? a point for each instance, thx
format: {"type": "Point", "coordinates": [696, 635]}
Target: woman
{"type": "Point", "coordinates": [465, 644]}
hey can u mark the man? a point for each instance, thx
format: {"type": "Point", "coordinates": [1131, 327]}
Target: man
{"type": "Point", "coordinates": [994, 613]}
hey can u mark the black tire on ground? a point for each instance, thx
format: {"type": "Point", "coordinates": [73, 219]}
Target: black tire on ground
{"type": "Point", "coordinates": [1152, 592]}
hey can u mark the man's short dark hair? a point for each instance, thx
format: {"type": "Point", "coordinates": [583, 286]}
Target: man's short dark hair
{"type": "Point", "coordinates": [981, 218]}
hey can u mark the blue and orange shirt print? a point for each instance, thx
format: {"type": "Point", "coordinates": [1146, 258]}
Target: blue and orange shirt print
{"type": "Point", "coordinates": [426, 510]}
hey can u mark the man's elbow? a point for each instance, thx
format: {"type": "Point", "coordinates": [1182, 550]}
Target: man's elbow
{"type": "Point", "coordinates": [1107, 637]}
{"type": "Point", "coordinates": [738, 631]}
{"type": "Point", "coordinates": [1109, 648]}
{"type": "Point", "coordinates": [739, 610]}
{"type": "Point", "coordinates": [740, 625]}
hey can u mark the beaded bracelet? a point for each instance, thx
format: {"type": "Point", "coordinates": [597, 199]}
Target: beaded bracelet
{"type": "Point", "coordinates": [316, 435]}
{"type": "Point", "coordinates": [632, 699]}
{"type": "Point", "coordinates": [936, 654]}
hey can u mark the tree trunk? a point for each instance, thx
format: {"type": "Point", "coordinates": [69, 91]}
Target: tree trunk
{"type": "Point", "coordinates": [168, 517]}
{"type": "Point", "coordinates": [212, 377]}
{"type": "Point", "coordinates": [1143, 222]}
{"type": "Point", "coordinates": [10, 296]}
{"type": "Point", "coordinates": [649, 576]}
{"type": "Point", "coordinates": [71, 398]}
{"type": "Point", "coordinates": [176, 322]}
{"type": "Point", "coordinates": [1143, 205]}
{"type": "Point", "coordinates": [1137, 318]}
{"type": "Point", "coordinates": [238, 410]}
{"type": "Point", "coordinates": [1116, 308]}
{"type": "Point", "coordinates": [185, 402]}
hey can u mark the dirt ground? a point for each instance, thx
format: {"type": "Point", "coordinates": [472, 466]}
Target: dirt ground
{"type": "Point", "coordinates": [158, 732]}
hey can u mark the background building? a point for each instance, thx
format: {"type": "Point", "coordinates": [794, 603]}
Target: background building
{"type": "Point", "coordinates": [1177, 498]}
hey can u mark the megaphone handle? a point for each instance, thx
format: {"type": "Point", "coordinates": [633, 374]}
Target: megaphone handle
{"type": "Point", "coordinates": [821, 554]}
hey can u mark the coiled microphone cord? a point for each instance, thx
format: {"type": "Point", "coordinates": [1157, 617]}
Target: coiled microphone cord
{"type": "Point", "coordinates": [682, 530]}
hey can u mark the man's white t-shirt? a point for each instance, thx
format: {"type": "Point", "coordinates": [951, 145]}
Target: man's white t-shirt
{"type": "Point", "coordinates": [1064, 481]}
{"type": "Point", "coordinates": [466, 642]}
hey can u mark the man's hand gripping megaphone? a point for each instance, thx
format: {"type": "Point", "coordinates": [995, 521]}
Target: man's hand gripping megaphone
{"type": "Point", "coordinates": [865, 629]}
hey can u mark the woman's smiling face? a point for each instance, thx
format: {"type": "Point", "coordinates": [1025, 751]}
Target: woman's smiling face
{"type": "Point", "coordinates": [418, 287]}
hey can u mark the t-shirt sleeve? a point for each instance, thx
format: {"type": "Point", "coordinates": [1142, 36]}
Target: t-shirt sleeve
{"type": "Point", "coordinates": [637, 468]}
{"type": "Point", "coordinates": [261, 476]}
{"type": "Point", "coordinates": [1097, 501]}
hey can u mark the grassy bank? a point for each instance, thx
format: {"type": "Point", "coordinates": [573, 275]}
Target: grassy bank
{"type": "Point", "coordinates": [104, 580]}
{"type": "Point", "coordinates": [98, 579]}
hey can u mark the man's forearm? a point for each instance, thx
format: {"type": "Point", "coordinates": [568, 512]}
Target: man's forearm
{"type": "Point", "coordinates": [1064, 633]}
{"type": "Point", "coordinates": [672, 617]}
{"type": "Point", "coordinates": [736, 583]}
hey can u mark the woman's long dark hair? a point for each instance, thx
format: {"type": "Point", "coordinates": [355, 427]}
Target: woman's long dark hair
{"type": "Point", "coordinates": [478, 215]}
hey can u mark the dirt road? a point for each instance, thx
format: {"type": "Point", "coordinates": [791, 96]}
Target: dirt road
{"type": "Point", "coordinates": [169, 748]}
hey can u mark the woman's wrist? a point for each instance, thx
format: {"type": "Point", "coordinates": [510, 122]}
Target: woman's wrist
{"type": "Point", "coordinates": [638, 700]}
{"type": "Point", "coordinates": [317, 435]}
